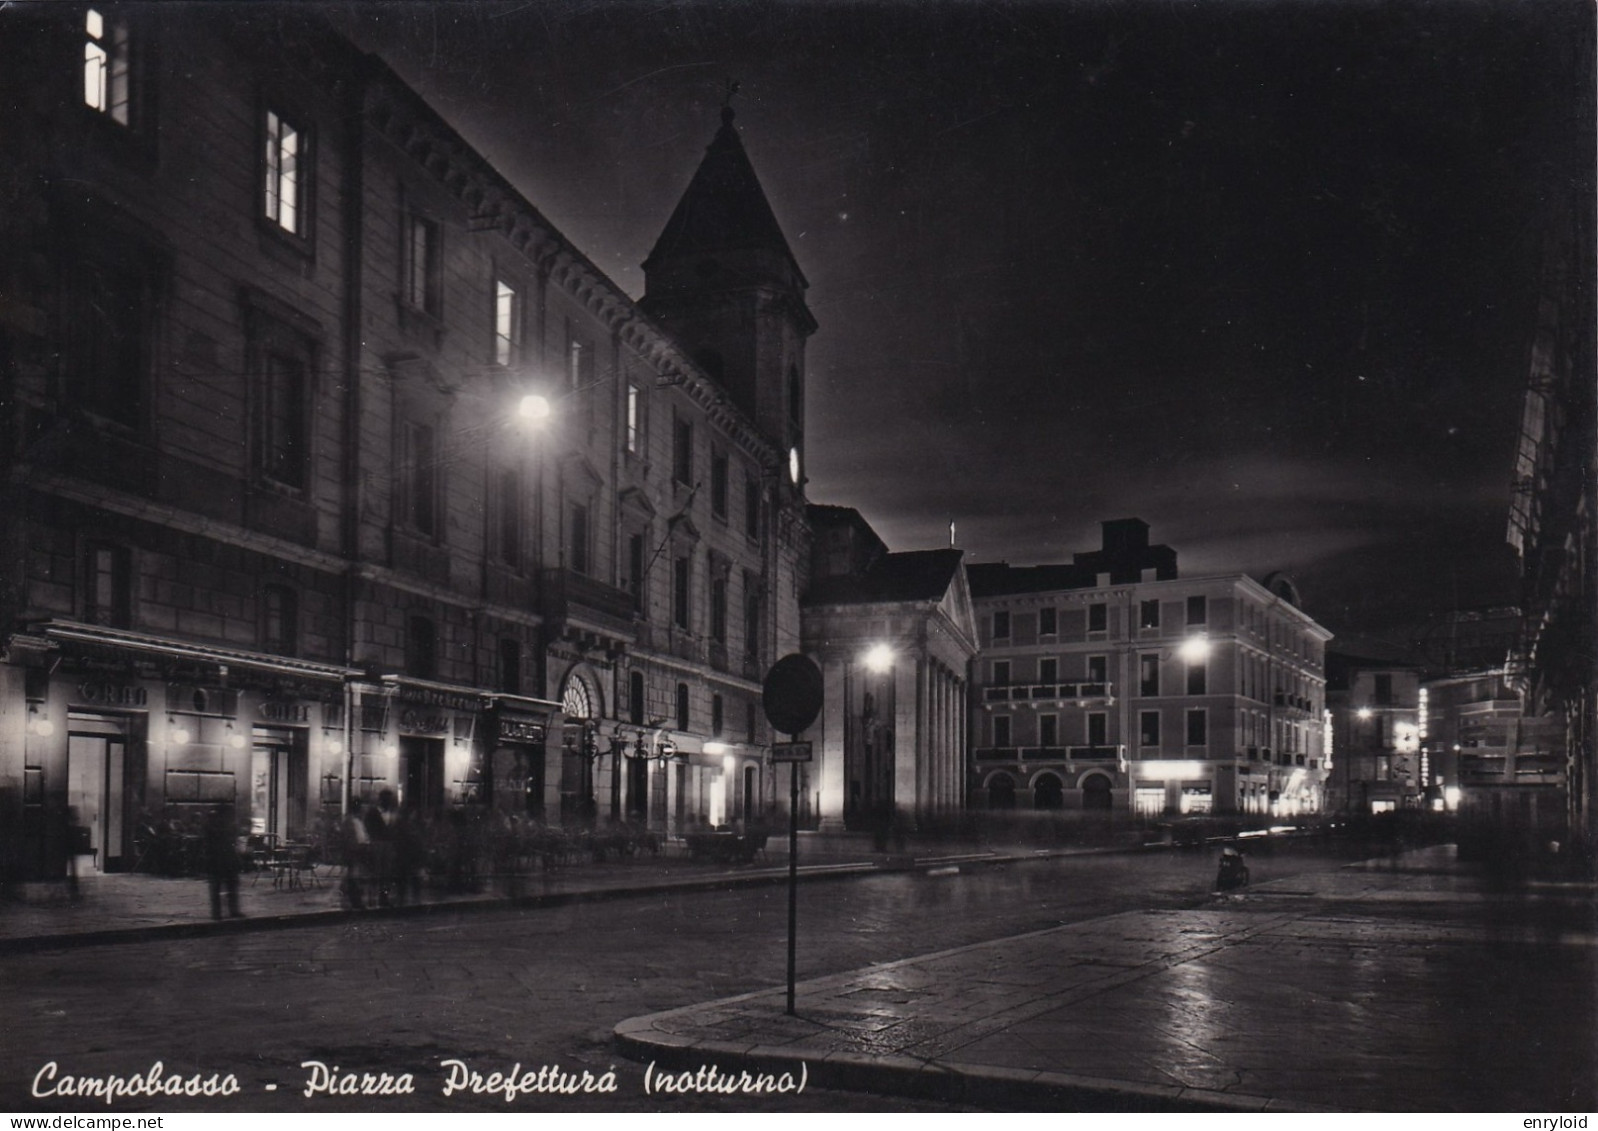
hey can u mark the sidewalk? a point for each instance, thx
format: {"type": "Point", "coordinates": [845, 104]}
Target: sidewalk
{"type": "Point", "coordinates": [128, 907]}
{"type": "Point", "coordinates": [1402, 985]}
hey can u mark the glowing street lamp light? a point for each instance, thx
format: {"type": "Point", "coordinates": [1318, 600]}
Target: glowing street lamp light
{"type": "Point", "coordinates": [534, 408]}
{"type": "Point", "coordinates": [1195, 649]}
{"type": "Point", "coordinates": [878, 658]}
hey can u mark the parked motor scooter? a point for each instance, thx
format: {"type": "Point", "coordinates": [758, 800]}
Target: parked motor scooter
{"type": "Point", "coordinates": [1233, 872]}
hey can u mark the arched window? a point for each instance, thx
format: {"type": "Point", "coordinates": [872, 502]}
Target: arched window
{"type": "Point", "coordinates": [578, 701]}
{"type": "Point", "coordinates": [1048, 792]}
{"type": "Point", "coordinates": [1001, 792]}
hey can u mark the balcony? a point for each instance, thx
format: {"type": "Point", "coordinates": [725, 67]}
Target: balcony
{"type": "Point", "coordinates": [572, 603]}
{"type": "Point", "coordinates": [1046, 691]}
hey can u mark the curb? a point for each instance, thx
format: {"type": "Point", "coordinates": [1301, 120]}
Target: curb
{"type": "Point", "coordinates": [949, 1082]}
{"type": "Point", "coordinates": [28, 944]}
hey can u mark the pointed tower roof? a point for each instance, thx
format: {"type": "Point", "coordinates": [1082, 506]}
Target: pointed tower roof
{"type": "Point", "coordinates": [724, 209]}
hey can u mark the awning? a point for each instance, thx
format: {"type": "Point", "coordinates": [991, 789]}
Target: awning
{"type": "Point", "coordinates": [60, 637]}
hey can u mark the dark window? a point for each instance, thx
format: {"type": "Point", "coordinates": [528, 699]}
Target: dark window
{"type": "Point", "coordinates": [635, 698]}
{"type": "Point", "coordinates": [577, 557]}
{"type": "Point", "coordinates": [510, 665]}
{"type": "Point", "coordinates": [1197, 728]}
{"type": "Point", "coordinates": [752, 506]}
{"type": "Point", "coordinates": [1049, 671]}
{"type": "Point", "coordinates": [1197, 679]}
{"type": "Point", "coordinates": [421, 648]}
{"type": "Point", "coordinates": [1001, 673]}
{"type": "Point", "coordinates": [510, 516]}
{"type": "Point", "coordinates": [1148, 675]}
{"type": "Point", "coordinates": [284, 450]}
{"type": "Point", "coordinates": [682, 706]}
{"type": "Point", "coordinates": [1098, 618]}
{"type": "Point", "coordinates": [1098, 669]}
{"type": "Point", "coordinates": [107, 585]}
{"type": "Point", "coordinates": [682, 450]}
{"type": "Point", "coordinates": [1384, 690]}
{"type": "Point", "coordinates": [749, 722]}
{"type": "Point", "coordinates": [422, 264]}
{"type": "Point", "coordinates": [421, 478]}
{"type": "Point", "coordinates": [106, 319]}
{"type": "Point", "coordinates": [286, 175]}
{"type": "Point", "coordinates": [716, 718]}
{"type": "Point", "coordinates": [633, 581]}
{"type": "Point", "coordinates": [718, 610]}
{"type": "Point", "coordinates": [1098, 733]}
{"type": "Point", "coordinates": [1149, 728]}
{"type": "Point", "coordinates": [752, 619]}
{"type": "Point", "coordinates": [1048, 622]}
{"type": "Point", "coordinates": [1048, 730]}
{"type": "Point", "coordinates": [1149, 614]}
{"type": "Point", "coordinates": [718, 484]}
{"type": "Point", "coordinates": [681, 576]}
{"type": "Point", "coordinates": [1001, 730]}
{"type": "Point", "coordinates": [1197, 610]}
{"type": "Point", "coordinates": [1001, 625]}
{"type": "Point", "coordinates": [279, 619]}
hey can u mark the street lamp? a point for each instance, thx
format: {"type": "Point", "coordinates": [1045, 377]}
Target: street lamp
{"type": "Point", "coordinates": [1195, 649]}
{"type": "Point", "coordinates": [878, 658]}
{"type": "Point", "coordinates": [535, 409]}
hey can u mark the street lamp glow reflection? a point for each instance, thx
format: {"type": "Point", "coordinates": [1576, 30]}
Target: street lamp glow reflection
{"type": "Point", "coordinates": [878, 658]}
{"type": "Point", "coordinates": [534, 408]}
{"type": "Point", "coordinates": [1195, 649]}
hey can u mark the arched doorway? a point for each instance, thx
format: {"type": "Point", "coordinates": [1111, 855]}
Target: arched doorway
{"type": "Point", "coordinates": [1001, 792]}
{"type": "Point", "coordinates": [1096, 793]}
{"type": "Point", "coordinates": [579, 703]}
{"type": "Point", "coordinates": [1048, 792]}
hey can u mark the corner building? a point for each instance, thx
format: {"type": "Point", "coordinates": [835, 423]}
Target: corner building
{"type": "Point", "coordinates": [332, 467]}
{"type": "Point", "coordinates": [1113, 684]}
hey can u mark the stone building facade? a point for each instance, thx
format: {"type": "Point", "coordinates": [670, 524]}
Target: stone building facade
{"type": "Point", "coordinates": [331, 467]}
{"type": "Point", "coordinates": [1114, 684]}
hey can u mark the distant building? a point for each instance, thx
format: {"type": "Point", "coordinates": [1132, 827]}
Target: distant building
{"type": "Point", "coordinates": [1487, 757]}
{"type": "Point", "coordinates": [1374, 710]}
{"type": "Point", "coordinates": [1112, 683]}
{"type": "Point", "coordinates": [332, 467]}
{"type": "Point", "coordinates": [894, 635]}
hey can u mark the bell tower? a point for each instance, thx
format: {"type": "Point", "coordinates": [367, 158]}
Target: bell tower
{"type": "Point", "coordinates": [724, 283]}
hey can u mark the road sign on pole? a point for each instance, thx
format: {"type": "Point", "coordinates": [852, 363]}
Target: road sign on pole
{"type": "Point", "coordinates": [791, 752]}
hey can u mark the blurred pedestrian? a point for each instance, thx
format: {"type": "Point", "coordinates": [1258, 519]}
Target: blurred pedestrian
{"type": "Point", "coordinates": [222, 864]}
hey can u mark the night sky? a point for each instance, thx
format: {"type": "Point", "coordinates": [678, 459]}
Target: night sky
{"type": "Point", "coordinates": [1261, 274]}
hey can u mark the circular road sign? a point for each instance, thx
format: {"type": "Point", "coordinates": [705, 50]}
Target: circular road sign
{"type": "Point", "coordinates": [792, 693]}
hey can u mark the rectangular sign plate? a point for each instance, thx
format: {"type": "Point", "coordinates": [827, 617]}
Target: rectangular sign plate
{"type": "Point", "coordinates": [790, 752]}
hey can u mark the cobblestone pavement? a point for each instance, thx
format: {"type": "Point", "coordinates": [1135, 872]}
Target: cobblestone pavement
{"type": "Point", "coordinates": [539, 986]}
{"type": "Point", "coordinates": [1404, 987]}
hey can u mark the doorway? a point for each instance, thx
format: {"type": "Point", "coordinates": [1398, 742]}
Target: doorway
{"type": "Point", "coordinates": [277, 784]}
{"type": "Point", "coordinates": [96, 799]}
{"type": "Point", "coordinates": [421, 773]}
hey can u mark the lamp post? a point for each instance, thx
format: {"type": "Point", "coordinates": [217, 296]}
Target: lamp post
{"type": "Point", "coordinates": [660, 748]}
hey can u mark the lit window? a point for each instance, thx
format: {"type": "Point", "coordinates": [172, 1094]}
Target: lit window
{"type": "Point", "coordinates": [284, 199]}
{"type": "Point", "coordinates": [632, 417]}
{"type": "Point", "coordinates": [507, 324]}
{"type": "Point", "coordinates": [106, 68]}
{"type": "Point", "coordinates": [421, 265]}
